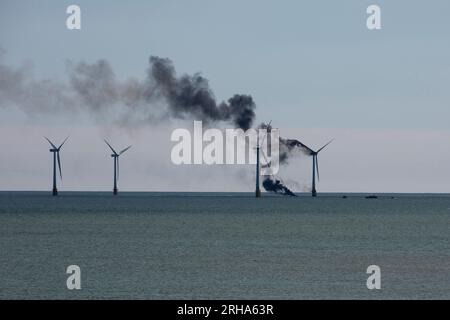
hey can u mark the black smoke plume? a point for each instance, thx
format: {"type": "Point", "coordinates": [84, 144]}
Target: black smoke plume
{"type": "Point", "coordinates": [275, 185]}
{"type": "Point", "coordinates": [192, 96]}
{"type": "Point", "coordinates": [95, 89]}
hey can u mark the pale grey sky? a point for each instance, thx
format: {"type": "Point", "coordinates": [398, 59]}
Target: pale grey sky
{"type": "Point", "coordinates": [311, 66]}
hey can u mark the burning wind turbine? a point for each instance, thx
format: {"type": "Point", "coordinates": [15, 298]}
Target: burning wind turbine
{"type": "Point", "coordinates": [269, 183]}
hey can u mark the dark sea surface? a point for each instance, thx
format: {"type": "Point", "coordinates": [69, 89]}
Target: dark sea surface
{"type": "Point", "coordinates": [223, 246]}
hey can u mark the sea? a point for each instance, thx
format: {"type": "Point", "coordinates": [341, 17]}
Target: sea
{"type": "Point", "coordinates": [224, 245]}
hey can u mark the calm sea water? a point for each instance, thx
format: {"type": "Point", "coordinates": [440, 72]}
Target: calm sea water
{"type": "Point", "coordinates": [223, 246]}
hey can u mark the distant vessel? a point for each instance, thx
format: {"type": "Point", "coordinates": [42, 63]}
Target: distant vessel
{"type": "Point", "coordinates": [372, 197]}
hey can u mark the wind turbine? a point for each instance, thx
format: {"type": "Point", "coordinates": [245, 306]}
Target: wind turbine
{"type": "Point", "coordinates": [314, 154]}
{"type": "Point", "coordinates": [116, 156]}
{"type": "Point", "coordinates": [55, 151]}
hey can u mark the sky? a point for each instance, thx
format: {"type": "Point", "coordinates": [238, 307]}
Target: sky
{"type": "Point", "coordinates": [312, 67]}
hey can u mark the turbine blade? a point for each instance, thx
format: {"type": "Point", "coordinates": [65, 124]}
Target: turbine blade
{"type": "Point", "coordinates": [63, 142]}
{"type": "Point", "coordinates": [325, 145]}
{"type": "Point", "coordinates": [124, 150]}
{"type": "Point", "coordinates": [264, 156]}
{"type": "Point", "coordinates": [59, 165]}
{"type": "Point", "coordinates": [317, 168]}
{"type": "Point", "coordinates": [263, 139]}
{"type": "Point", "coordinates": [297, 143]}
{"type": "Point", "coordinates": [51, 143]}
{"type": "Point", "coordinates": [114, 151]}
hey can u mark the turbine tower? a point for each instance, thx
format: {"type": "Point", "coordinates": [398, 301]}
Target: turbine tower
{"type": "Point", "coordinates": [258, 164]}
{"type": "Point", "coordinates": [314, 155]}
{"type": "Point", "coordinates": [116, 156]}
{"type": "Point", "coordinates": [258, 190]}
{"type": "Point", "coordinates": [56, 156]}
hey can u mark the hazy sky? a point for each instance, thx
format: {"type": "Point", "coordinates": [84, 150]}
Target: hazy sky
{"type": "Point", "coordinates": [312, 67]}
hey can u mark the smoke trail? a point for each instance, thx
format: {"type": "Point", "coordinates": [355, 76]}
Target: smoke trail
{"type": "Point", "coordinates": [93, 88]}
{"type": "Point", "coordinates": [275, 185]}
{"type": "Point", "coordinates": [289, 148]}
